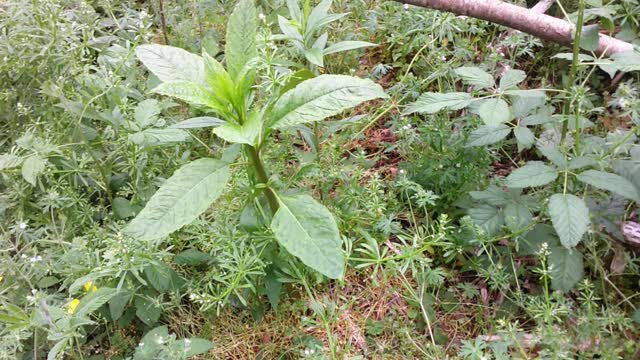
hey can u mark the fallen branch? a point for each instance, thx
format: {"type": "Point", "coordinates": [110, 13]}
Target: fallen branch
{"type": "Point", "coordinates": [531, 22]}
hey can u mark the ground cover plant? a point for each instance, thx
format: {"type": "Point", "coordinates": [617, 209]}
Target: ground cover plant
{"type": "Point", "coordinates": [316, 179]}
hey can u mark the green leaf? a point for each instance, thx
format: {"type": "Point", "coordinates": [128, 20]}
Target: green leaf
{"type": "Point", "coordinates": [156, 137]}
{"type": "Point", "coordinates": [488, 217]}
{"type": "Point", "coordinates": [289, 30]}
{"type": "Point", "coordinates": [94, 300]}
{"type": "Point", "coordinates": [517, 216]}
{"type": "Point", "coordinates": [610, 182]}
{"type": "Point", "coordinates": [146, 113]}
{"type": "Point", "coordinates": [511, 79]}
{"type": "Point", "coordinates": [626, 61]}
{"type": "Point", "coordinates": [57, 351]}
{"type": "Point", "coordinates": [187, 348]}
{"type": "Point", "coordinates": [123, 209]}
{"type": "Point", "coordinates": [147, 310]}
{"type": "Point", "coordinates": [192, 257]}
{"type": "Point", "coordinates": [294, 11]}
{"type": "Point", "coordinates": [321, 97]}
{"type": "Point", "coordinates": [589, 40]}
{"type": "Point", "coordinates": [181, 199]}
{"type": "Point", "coordinates": [534, 173]}
{"type": "Point", "coordinates": [118, 303]}
{"type": "Point", "coordinates": [159, 276]}
{"type": "Point", "coordinates": [170, 63]}
{"type": "Point", "coordinates": [198, 122]}
{"type": "Point", "coordinates": [9, 161]}
{"type": "Point", "coordinates": [552, 153]}
{"type": "Point", "coordinates": [150, 345]}
{"type": "Point", "coordinates": [488, 134]}
{"type": "Point", "coordinates": [272, 286]}
{"type": "Point", "coordinates": [492, 195]}
{"type": "Point", "coordinates": [346, 46]}
{"type": "Point", "coordinates": [570, 217]}
{"type": "Point", "coordinates": [246, 133]}
{"type": "Point", "coordinates": [240, 44]}
{"type": "Point", "coordinates": [32, 167]}
{"type": "Point", "coordinates": [308, 231]}
{"type": "Point", "coordinates": [218, 79]}
{"type": "Point", "coordinates": [314, 56]}
{"type": "Point", "coordinates": [475, 76]}
{"type": "Point", "coordinates": [524, 136]}
{"type": "Point", "coordinates": [566, 268]}
{"type": "Point", "coordinates": [189, 92]}
{"type": "Point", "coordinates": [494, 111]}
{"type": "Point", "coordinates": [430, 102]}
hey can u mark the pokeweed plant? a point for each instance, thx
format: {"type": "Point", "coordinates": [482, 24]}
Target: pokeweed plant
{"type": "Point", "coordinates": [302, 28]}
{"type": "Point", "coordinates": [303, 226]}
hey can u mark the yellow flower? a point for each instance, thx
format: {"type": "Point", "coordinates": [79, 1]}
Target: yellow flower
{"type": "Point", "coordinates": [1, 278]}
{"type": "Point", "coordinates": [72, 305]}
{"type": "Point", "coordinates": [89, 287]}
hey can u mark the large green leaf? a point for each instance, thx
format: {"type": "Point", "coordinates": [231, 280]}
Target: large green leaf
{"type": "Point", "coordinates": [566, 268]}
{"type": "Point", "coordinates": [198, 122]}
{"type": "Point", "coordinates": [155, 137]}
{"type": "Point", "coordinates": [321, 97]}
{"type": "Point", "coordinates": [188, 91]}
{"type": "Point", "coordinates": [524, 137]}
{"type": "Point", "coordinates": [517, 216]}
{"type": "Point", "coordinates": [495, 111]}
{"type": "Point", "coordinates": [246, 133]}
{"type": "Point", "coordinates": [430, 102]}
{"type": "Point", "coordinates": [240, 44]}
{"type": "Point", "coordinates": [170, 63]}
{"type": "Point", "coordinates": [534, 173]}
{"type": "Point", "coordinates": [180, 200]}
{"type": "Point", "coordinates": [488, 134]}
{"type": "Point", "coordinates": [475, 76]}
{"type": "Point", "coordinates": [610, 182]}
{"type": "Point", "coordinates": [511, 79]}
{"type": "Point", "coordinates": [570, 217]}
{"type": "Point", "coordinates": [308, 231]}
{"type": "Point", "coordinates": [488, 217]}
{"type": "Point", "coordinates": [32, 167]}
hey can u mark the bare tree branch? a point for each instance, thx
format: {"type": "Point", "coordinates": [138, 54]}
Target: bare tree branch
{"type": "Point", "coordinates": [540, 25]}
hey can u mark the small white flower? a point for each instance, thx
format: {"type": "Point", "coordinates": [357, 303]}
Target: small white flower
{"type": "Point", "coordinates": [34, 291]}
{"type": "Point", "coordinates": [401, 171]}
{"type": "Point", "coordinates": [141, 344]}
{"type": "Point", "coordinates": [458, 165]}
{"type": "Point", "coordinates": [262, 16]}
{"type": "Point", "coordinates": [406, 6]}
{"type": "Point", "coordinates": [444, 58]}
{"type": "Point", "coordinates": [22, 226]}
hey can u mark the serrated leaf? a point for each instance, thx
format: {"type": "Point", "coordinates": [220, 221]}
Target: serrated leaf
{"type": "Point", "coordinates": [534, 173]}
{"type": "Point", "coordinates": [566, 268]}
{"type": "Point", "coordinates": [347, 46]}
{"type": "Point", "coordinates": [610, 182]}
{"type": "Point", "coordinates": [159, 276]}
{"type": "Point", "coordinates": [118, 303]}
{"type": "Point", "coordinates": [123, 209]}
{"type": "Point", "coordinates": [198, 123]}
{"type": "Point", "coordinates": [492, 195]}
{"type": "Point", "coordinates": [93, 300]}
{"type": "Point", "coordinates": [494, 111]}
{"type": "Point", "coordinates": [150, 345]}
{"type": "Point", "coordinates": [156, 137]}
{"type": "Point", "coordinates": [32, 167]}
{"type": "Point", "coordinates": [524, 136]}
{"type": "Point", "coordinates": [570, 217]}
{"type": "Point", "coordinates": [309, 232]}
{"type": "Point", "coordinates": [512, 78]}
{"type": "Point", "coordinates": [488, 217]}
{"type": "Point", "coordinates": [9, 161]}
{"type": "Point", "coordinates": [181, 199]}
{"type": "Point", "coordinates": [321, 97]}
{"type": "Point", "coordinates": [488, 134]}
{"type": "Point", "coordinates": [240, 45]}
{"type": "Point", "coordinates": [579, 162]}
{"type": "Point", "coordinates": [552, 153]}
{"type": "Point", "coordinates": [475, 76]}
{"type": "Point", "coordinates": [517, 216]}
{"type": "Point", "coordinates": [626, 61]}
{"type": "Point", "coordinates": [526, 105]}
{"type": "Point", "coordinates": [146, 113]}
{"type": "Point", "coordinates": [189, 92]}
{"type": "Point", "coordinates": [430, 102]}
{"type": "Point", "coordinates": [170, 63]}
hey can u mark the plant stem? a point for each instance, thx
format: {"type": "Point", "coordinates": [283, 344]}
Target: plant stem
{"type": "Point", "coordinates": [572, 73]}
{"type": "Point", "coordinates": [163, 22]}
{"type": "Point", "coordinates": [263, 178]}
